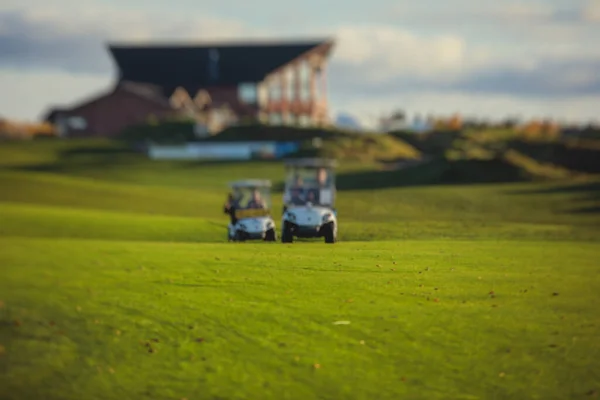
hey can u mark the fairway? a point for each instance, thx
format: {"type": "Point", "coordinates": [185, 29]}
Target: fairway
{"type": "Point", "coordinates": [116, 281]}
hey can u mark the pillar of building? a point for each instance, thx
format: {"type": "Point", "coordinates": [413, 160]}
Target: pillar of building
{"type": "Point", "coordinates": [324, 82]}
{"type": "Point", "coordinates": [283, 82]}
{"type": "Point", "coordinates": [297, 85]}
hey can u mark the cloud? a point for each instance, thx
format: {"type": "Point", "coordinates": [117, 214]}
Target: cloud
{"type": "Point", "coordinates": [546, 78]}
{"type": "Point", "coordinates": [378, 53]}
{"type": "Point", "coordinates": [75, 39]}
{"type": "Point", "coordinates": [485, 12]}
{"type": "Point", "coordinates": [591, 11]}
{"type": "Point", "coordinates": [28, 94]}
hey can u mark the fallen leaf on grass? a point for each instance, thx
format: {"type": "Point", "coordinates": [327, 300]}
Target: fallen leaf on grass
{"type": "Point", "coordinates": [2, 350]}
{"type": "Point", "coordinates": [591, 393]}
{"type": "Point", "coordinates": [200, 340]}
{"type": "Point", "coordinates": [17, 322]}
{"type": "Point", "coordinates": [1, 304]}
{"type": "Point", "coordinates": [342, 323]}
{"type": "Point", "coordinates": [362, 342]}
{"type": "Point", "coordinates": [501, 374]}
{"type": "Point", "coordinates": [317, 366]}
{"type": "Point", "coordinates": [112, 371]}
{"type": "Point", "coordinates": [403, 379]}
{"type": "Point", "coordinates": [118, 332]}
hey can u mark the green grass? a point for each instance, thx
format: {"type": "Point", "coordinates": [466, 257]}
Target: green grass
{"type": "Point", "coordinates": [105, 255]}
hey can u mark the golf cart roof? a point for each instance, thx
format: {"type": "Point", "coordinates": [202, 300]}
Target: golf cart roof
{"type": "Point", "coordinates": [251, 183]}
{"type": "Point", "coordinates": [311, 162]}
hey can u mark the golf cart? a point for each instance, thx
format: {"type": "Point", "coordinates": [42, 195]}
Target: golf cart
{"type": "Point", "coordinates": [309, 199]}
{"type": "Point", "coordinates": [249, 207]}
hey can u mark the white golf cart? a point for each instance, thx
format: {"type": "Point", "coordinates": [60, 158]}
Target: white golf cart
{"type": "Point", "coordinates": [309, 199]}
{"type": "Point", "coordinates": [249, 207]}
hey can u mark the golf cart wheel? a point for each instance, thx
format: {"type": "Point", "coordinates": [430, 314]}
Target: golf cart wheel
{"type": "Point", "coordinates": [238, 237]}
{"type": "Point", "coordinates": [329, 233]}
{"type": "Point", "coordinates": [271, 236]}
{"type": "Point", "coordinates": [286, 234]}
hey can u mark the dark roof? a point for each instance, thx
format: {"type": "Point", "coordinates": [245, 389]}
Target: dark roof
{"type": "Point", "coordinates": [147, 91]}
{"type": "Point", "coordinates": [51, 114]}
{"type": "Point", "coordinates": [189, 66]}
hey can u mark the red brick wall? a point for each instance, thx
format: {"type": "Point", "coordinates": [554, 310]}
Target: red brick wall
{"type": "Point", "coordinates": [110, 114]}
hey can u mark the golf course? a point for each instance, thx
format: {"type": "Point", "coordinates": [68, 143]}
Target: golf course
{"type": "Point", "coordinates": [117, 282]}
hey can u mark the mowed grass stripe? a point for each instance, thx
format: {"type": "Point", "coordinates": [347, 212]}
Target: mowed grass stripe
{"type": "Point", "coordinates": [27, 220]}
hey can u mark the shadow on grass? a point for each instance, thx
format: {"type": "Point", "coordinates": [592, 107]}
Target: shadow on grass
{"type": "Point", "coordinates": [84, 157]}
{"type": "Point", "coordinates": [587, 210]}
{"type": "Point", "coordinates": [437, 172]}
{"type": "Point", "coordinates": [589, 191]}
{"type": "Point", "coordinates": [207, 163]}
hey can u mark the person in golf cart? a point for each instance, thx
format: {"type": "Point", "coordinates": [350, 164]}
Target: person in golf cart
{"type": "Point", "coordinates": [313, 194]}
{"type": "Point", "coordinates": [297, 197]}
{"type": "Point", "coordinates": [230, 206]}
{"type": "Point", "coordinates": [256, 201]}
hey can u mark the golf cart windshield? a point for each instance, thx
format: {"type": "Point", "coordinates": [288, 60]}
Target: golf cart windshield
{"type": "Point", "coordinates": [314, 185]}
{"type": "Point", "coordinates": [251, 201]}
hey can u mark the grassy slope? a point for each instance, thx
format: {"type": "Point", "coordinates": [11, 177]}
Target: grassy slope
{"type": "Point", "coordinates": [86, 308]}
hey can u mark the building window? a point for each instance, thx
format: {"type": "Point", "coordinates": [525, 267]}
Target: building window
{"type": "Point", "coordinates": [290, 83]}
{"type": "Point", "coordinates": [292, 119]}
{"type": "Point", "coordinates": [304, 75]}
{"type": "Point", "coordinates": [263, 94]}
{"type": "Point", "coordinates": [319, 84]}
{"type": "Point", "coordinates": [76, 122]}
{"type": "Point", "coordinates": [248, 93]}
{"type": "Point", "coordinates": [275, 119]}
{"type": "Point", "coordinates": [275, 90]}
{"type": "Point", "coordinates": [304, 120]}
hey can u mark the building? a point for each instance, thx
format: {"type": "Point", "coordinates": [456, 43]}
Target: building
{"type": "Point", "coordinates": [216, 84]}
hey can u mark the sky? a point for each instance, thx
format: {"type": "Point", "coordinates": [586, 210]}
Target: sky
{"type": "Point", "coordinates": [480, 58]}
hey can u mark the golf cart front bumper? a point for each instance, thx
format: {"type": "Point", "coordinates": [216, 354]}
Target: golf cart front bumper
{"type": "Point", "coordinates": [307, 231]}
{"type": "Point", "coordinates": [252, 235]}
